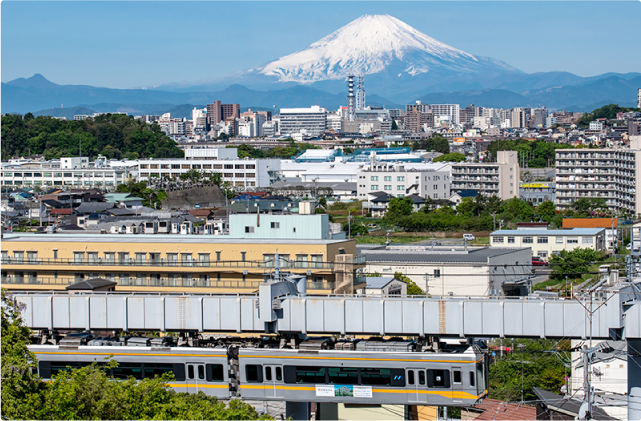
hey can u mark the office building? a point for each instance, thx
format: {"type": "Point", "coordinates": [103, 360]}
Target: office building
{"type": "Point", "coordinates": [311, 121]}
{"type": "Point", "coordinates": [545, 243]}
{"type": "Point", "coordinates": [500, 178]}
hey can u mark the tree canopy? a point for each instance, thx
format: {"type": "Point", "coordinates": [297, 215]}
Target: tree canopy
{"type": "Point", "coordinates": [535, 153]}
{"type": "Point", "coordinates": [112, 135]}
{"type": "Point", "coordinates": [450, 157]}
{"type": "Point", "coordinates": [436, 143]}
{"type": "Point", "coordinates": [89, 393]}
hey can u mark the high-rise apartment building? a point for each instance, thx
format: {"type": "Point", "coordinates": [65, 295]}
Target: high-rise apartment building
{"type": "Point", "coordinates": [449, 111]}
{"type": "Point", "coordinates": [218, 112]}
{"type": "Point", "coordinates": [425, 180]}
{"type": "Point", "coordinates": [500, 178]}
{"type": "Point", "coordinates": [609, 174]}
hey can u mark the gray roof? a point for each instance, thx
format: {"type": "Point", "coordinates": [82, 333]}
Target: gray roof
{"type": "Point", "coordinates": [573, 231]}
{"type": "Point", "coordinates": [91, 284]}
{"type": "Point", "coordinates": [437, 254]}
{"type": "Point", "coordinates": [568, 406]}
{"type": "Point", "coordinates": [91, 207]}
{"type": "Point", "coordinates": [378, 282]}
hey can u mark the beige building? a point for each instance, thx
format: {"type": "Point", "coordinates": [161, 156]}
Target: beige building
{"type": "Point", "coordinates": [174, 263]}
{"type": "Point", "coordinates": [500, 178]}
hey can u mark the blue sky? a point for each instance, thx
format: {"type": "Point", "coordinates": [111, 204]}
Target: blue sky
{"type": "Point", "coordinates": [131, 44]}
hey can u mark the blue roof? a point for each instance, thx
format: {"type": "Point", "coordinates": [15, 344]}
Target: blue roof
{"type": "Point", "coordinates": [378, 281]}
{"type": "Point", "coordinates": [467, 193]}
{"type": "Point", "coordinates": [573, 231]}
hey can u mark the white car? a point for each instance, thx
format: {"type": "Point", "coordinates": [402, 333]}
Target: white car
{"type": "Point", "coordinates": [469, 237]}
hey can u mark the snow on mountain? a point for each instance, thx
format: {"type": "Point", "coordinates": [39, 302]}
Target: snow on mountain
{"type": "Point", "coordinates": [376, 43]}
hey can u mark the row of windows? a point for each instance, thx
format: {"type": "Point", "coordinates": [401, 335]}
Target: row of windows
{"type": "Point", "coordinates": [394, 377]}
{"type": "Point", "coordinates": [197, 166]}
{"type": "Point", "coordinates": [139, 371]}
{"type": "Point", "coordinates": [544, 240]}
{"type": "Point", "coordinates": [388, 178]}
{"type": "Point", "coordinates": [60, 174]}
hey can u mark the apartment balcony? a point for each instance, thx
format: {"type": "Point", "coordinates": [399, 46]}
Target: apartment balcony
{"type": "Point", "coordinates": [168, 266]}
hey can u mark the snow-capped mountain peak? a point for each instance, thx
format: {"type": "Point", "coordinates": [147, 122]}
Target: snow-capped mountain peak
{"type": "Point", "coordinates": [371, 44]}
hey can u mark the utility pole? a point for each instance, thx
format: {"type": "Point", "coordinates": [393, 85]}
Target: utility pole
{"type": "Point", "coordinates": [349, 225]}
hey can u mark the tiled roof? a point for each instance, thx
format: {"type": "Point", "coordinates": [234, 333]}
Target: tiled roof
{"type": "Point", "coordinates": [498, 410]}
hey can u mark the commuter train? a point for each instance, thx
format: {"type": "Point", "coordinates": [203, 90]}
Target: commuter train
{"type": "Point", "coordinates": [350, 372]}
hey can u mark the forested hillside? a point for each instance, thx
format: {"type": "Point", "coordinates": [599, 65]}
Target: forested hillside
{"type": "Point", "coordinates": [112, 135]}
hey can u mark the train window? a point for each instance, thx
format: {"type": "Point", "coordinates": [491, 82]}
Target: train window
{"type": "Point", "coordinates": [179, 372]}
{"type": "Point", "coordinates": [410, 376]}
{"type": "Point", "coordinates": [157, 369]}
{"type": "Point", "coordinates": [268, 374]}
{"type": "Point", "coordinates": [254, 373]}
{"type": "Point", "coordinates": [301, 374]}
{"type": "Point", "coordinates": [380, 376]}
{"type": "Point", "coordinates": [472, 382]}
{"type": "Point", "coordinates": [201, 372]}
{"type": "Point", "coordinates": [421, 377]}
{"type": "Point", "coordinates": [57, 367]}
{"type": "Point", "coordinates": [125, 370]}
{"type": "Point", "coordinates": [279, 373]}
{"type": "Point", "coordinates": [343, 375]}
{"type": "Point", "coordinates": [190, 371]}
{"type": "Point", "coordinates": [480, 370]}
{"type": "Point", "coordinates": [457, 376]}
{"type": "Point", "coordinates": [438, 378]}
{"type": "Point", "coordinates": [215, 373]}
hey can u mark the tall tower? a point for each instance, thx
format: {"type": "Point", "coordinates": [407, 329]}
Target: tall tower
{"type": "Point", "coordinates": [351, 100]}
{"type": "Point", "coordinates": [360, 93]}
{"type": "Point", "coordinates": [638, 98]}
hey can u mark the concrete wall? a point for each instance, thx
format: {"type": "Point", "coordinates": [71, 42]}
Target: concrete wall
{"type": "Point", "coordinates": [308, 227]}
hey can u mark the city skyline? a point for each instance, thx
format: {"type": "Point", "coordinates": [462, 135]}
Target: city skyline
{"type": "Point", "coordinates": [130, 45]}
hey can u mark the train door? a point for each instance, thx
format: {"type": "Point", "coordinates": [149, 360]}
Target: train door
{"type": "Point", "coordinates": [194, 377]}
{"type": "Point", "coordinates": [273, 380]}
{"type": "Point", "coordinates": [416, 386]}
{"type": "Point", "coordinates": [458, 389]}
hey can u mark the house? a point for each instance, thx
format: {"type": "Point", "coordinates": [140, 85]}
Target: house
{"type": "Point", "coordinates": [461, 271]}
{"type": "Point", "coordinates": [545, 243]}
{"type": "Point", "coordinates": [94, 284]}
{"type": "Point", "coordinates": [385, 285]}
{"type": "Point", "coordinates": [377, 203]}
{"type": "Point", "coordinates": [493, 409]}
{"type": "Point", "coordinates": [551, 406]}
{"type": "Point", "coordinates": [459, 195]}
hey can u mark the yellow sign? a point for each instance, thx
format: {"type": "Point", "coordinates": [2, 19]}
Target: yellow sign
{"type": "Point", "coordinates": [535, 186]}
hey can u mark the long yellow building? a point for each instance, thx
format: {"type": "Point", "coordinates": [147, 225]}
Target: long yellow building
{"type": "Point", "coordinates": [194, 263]}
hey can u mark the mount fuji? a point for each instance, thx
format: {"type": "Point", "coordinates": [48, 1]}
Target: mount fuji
{"type": "Point", "coordinates": [373, 44]}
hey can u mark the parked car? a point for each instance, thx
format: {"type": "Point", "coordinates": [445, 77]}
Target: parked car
{"type": "Point", "coordinates": [469, 237]}
{"type": "Point", "coordinates": [537, 261]}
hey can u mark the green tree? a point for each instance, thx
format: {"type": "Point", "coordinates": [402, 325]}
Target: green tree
{"type": "Point", "coordinates": [394, 125]}
{"type": "Point", "coordinates": [355, 228]}
{"type": "Point", "coordinates": [530, 363]}
{"type": "Point", "coordinates": [573, 263]}
{"type": "Point", "coordinates": [588, 206]}
{"type": "Point", "coordinates": [412, 288]}
{"type": "Point", "coordinates": [450, 157]}
{"type": "Point", "coordinates": [546, 210]}
{"type": "Point", "coordinates": [397, 208]}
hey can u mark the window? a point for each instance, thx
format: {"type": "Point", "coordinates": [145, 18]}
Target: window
{"type": "Point", "coordinates": [421, 377]}
{"type": "Point", "coordinates": [388, 187]}
{"type": "Point", "coordinates": [141, 258]}
{"type": "Point", "coordinates": [214, 372]}
{"type": "Point", "coordinates": [275, 225]}
{"type": "Point", "coordinates": [268, 373]}
{"type": "Point", "coordinates": [528, 240]}
{"type": "Point", "coordinates": [374, 178]}
{"type": "Point", "coordinates": [542, 254]}
{"type": "Point", "coordinates": [587, 240]}
{"type": "Point", "coordinates": [32, 256]}
{"type": "Point", "coordinates": [217, 256]}
{"type": "Point", "coordinates": [387, 178]}
{"type": "Point", "coordinates": [400, 178]}
{"type": "Point", "coordinates": [203, 258]}
{"type": "Point", "coordinates": [541, 240]}
{"type": "Point", "coordinates": [172, 259]}
{"type": "Point", "coordinates": [253, 373]}
{"type": "Point", "coordinates": [573, 240]}
{"type": "Point", "coordinates": [457, 376]}
{"type": "Point", "coordinates": [312, 375]}
{"type": "Point", "coordinates": [498, 240]}
{"type": "Point", "coordinates": [317, 261]}
{"type": "Point", "coordinates": [510, 240]}
{"type": "Point", "coordinates": [400, 187]}
{"type": "Point", "coordinates": [374, 187]}
{"type": "Point", "coordinates": [92, 257]}
{"type": "Point", "coordinates": [185, 259]}
{"type": "Point", "coordinates": [301, 260]}
{"type": "Point", "coordinates": [342, 375]}
{"type": "Point", "coordinates": [269, 260]}
{"type": "Point", "coordinates": [559, 240]}
{"type": "Point", "coordinates": [438, 378]}
{"type": "Point", "coordinates": [78, 256]}
{"type": "Point", "coordinates": [410, 376]}
{"type": "Point", "coordinates": [249, 230]}
{"type": "Point", "coordinates": [243, 256]}
{"type": "Point", "coordinates": [110, 258]}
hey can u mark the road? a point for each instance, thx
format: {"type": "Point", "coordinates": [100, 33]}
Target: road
{"type": "Point", "coordinates": [541, 274]}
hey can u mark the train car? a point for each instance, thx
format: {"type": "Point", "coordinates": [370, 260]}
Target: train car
{"type": "Point", "coordinates": [194, 369]}
{"type": "Point", "coordinates": [407, 378]}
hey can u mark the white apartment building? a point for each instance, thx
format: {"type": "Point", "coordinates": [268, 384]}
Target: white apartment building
{"type": "Point", "coordinates": [452, 111]}
{"type": "Point", "coordinates": [545, 243]}
{"type": "Point", "coordinates": [199, 119]}
{"type": "Point", "coordinates": [241, 173]}
{"type": "Point", "coordinates": [609, 173]}
{"type": "Point", "coordinates": [499, 178]}
{"type": "Point", "coordinates": [596, 125]}
{"type": "Point", "coordinates": [172, 126]}
{"type": "Point", "coordinates": [74, 172]}
{"type": "Point", "coordinates": [425, 180]}
{"type": "Point", "coordinates": [311, 121]}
